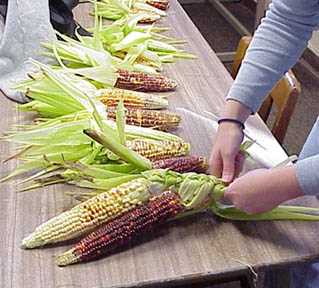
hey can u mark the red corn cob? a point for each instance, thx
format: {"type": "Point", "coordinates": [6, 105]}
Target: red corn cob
{"type": "Point", "coordinates": [159, 4]}
{"type": "Point", "coordinates": [183, 164]}
{"type": "Point", "coordinates": [161, 120]}
{"type": "Point", "coordinates": [140, 81]}
{"type": "Point", "coordinates": [124, 229]}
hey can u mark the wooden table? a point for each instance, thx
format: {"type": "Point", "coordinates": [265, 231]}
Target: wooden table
{"type": "Point", "coordinates": [197, 250]}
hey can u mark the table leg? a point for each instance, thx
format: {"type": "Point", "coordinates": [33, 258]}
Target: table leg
{"type": "Point", "coordinates": [247, 282]}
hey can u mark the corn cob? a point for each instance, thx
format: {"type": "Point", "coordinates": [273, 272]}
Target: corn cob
{"type": "Point", "coordinates": [158, 150]}
{"type": "Point", "coordinates": [182, 164]}
{"type": "Point", "coordinates": [149, 17]}
{"type": "Point", "coordinates": [160, 120]}
{"type": "Point", "coordinates": [89, 214]}
{"type": "Point", "coordinates": [131, 99]}
{"type": "Point", "coordinates": [122, 230]}
{"type": "Point", "coordinates": [141, 81]}
{"type": "Point", "coordinates": [159, 4]}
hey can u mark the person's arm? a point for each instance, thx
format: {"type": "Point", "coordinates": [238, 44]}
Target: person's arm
{"type": "Point", "coordinates": [307, 171]}
{"type": "Point", "coordinates": [264, 189]}
{"type": "Point", "coordinates": [261, 190]}
{"type": "Point", "coordinates": [276, 46]}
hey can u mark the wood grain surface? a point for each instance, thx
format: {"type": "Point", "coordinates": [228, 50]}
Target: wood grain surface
{"type": "Point", "coordinates": [202, 248]}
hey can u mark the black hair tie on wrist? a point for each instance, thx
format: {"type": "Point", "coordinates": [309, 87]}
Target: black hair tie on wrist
{"type": "Point", "coordinates": [241, 124]}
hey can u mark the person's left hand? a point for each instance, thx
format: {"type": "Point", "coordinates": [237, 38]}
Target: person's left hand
{"type": "Point", "coordinates": [261, 190]}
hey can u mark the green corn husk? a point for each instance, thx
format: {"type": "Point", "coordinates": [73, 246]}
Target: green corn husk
{"type": "Point", "coordinates": [282, 212]}
{"type": "Point", "coordinates": [52, 144]}
{"type": "Point", "coordinates": [123, 39]}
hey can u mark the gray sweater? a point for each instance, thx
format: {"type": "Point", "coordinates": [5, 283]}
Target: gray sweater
{"type": "Point", "coordinates": [278, 43]}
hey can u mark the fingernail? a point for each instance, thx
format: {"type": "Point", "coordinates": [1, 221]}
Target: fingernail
{"type": "Point", "coordinates": [227, 177]}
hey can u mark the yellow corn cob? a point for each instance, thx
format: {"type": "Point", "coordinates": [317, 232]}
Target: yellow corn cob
{"type": "Point", "coordinates": [89, 214]}
{"type": "Point", "coordinates": [157, 150]}
{"type": "Point", "coordinates": [131, 99]}
{"type": "Point", "coordinates": [161, 120]}
{"type": "Point", "coordinates": [140, 81]}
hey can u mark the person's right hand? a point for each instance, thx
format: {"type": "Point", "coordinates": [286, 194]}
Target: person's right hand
{"type": "Point", "coordinates": [226, 160]}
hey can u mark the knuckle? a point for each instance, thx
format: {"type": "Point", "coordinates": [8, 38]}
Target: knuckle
{"type": "Point", "coordinates": [228, 154]}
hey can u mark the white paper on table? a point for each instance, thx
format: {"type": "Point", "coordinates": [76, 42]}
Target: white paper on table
{"type": "Point", "coordinates": [261, 154]}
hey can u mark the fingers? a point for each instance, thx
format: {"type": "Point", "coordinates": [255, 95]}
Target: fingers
{"type": "Point", "coordinates": [216, 163]}
{"type": "Point", "coordinates": [239, 163]}
{"type": "Point", "coordinates": [227, 167]}
{"type": "Point", "coordinates": [228, 173]}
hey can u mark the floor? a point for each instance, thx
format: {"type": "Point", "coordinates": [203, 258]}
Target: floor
{"type": "Point", "coordinates": [222, 38]}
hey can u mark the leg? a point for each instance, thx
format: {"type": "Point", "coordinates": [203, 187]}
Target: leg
{"type": "Point", "coordinates": [27, 25]}
{"type": "Point", "coordinates": [305, 276]}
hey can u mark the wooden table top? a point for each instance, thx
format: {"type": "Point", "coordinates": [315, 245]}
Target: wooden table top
{"type": "Point", "coordinates": [187, 251]}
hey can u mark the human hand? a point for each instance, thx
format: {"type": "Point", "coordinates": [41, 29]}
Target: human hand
{"type": "Point", "coordinates": [226, 160]}
{"type": "Point", "coordinates": [261, 190]}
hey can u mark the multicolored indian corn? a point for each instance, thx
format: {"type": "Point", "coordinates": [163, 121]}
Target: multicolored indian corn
{"type": "Point", "coordinates": [140, 81]}
{"type": "Point", "coordinates": [159, 4]}
{"type": "Point", "coordinates": [183, 164]}
{"type": "Point", "coordinates": [131, 99]}
{"type": "Point", "coordinates": [161, 120]}
{"type": "Point", "coordinates": [123, 229]}
{"type": "Point", "coordinates": [89, 214]}
{"type": "Point", "coordinates": [158, 150]}
{"type": "Point", "coordinates": [149, 17]}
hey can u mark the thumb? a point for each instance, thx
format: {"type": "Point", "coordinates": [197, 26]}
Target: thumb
{"type": "Point", "coordinates": [228, 169]}
{"type": "Point", "coordinates": [227, 197]}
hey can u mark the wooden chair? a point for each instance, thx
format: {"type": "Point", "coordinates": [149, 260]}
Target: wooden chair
{"type": "Point", "coordinates": [283, 96]}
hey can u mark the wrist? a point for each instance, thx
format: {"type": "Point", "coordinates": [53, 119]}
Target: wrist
{"type": "Point", "coordinates": [236, 110]}
{"type": "Point", "coordinates": [233, 121]}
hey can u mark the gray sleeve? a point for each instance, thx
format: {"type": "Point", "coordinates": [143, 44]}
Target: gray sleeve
{"type": "Point", "coordinates": [276, 47]}
{"type": "Point", "coordinates": [308, 174]}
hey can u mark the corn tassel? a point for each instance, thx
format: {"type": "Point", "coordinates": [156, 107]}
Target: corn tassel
{"type": "Point", "coordinates": [131, 99]}
{"type": "Point", "coordinates": [182, 164]}
{"type": "Point", "coordinates": [158, 150]}
{"type": "Point", "coordinates": [89, 214]}
{"type": "Point", "coordinates": [161, 120]}
{"type": "Point", "coordinates": [122, 230]}
{"type": "Point", "coordinates": [140, 81]}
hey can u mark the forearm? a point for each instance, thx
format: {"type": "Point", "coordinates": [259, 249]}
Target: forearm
{"type": "Point", "coordinates": [236, 110]}
{"type": "Point", "coordinates": [276, 46]}
{"type": "Point", "coordinates": [285, 183]}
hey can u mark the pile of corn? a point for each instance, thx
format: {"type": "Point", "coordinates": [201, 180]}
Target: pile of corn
{"type": "Point", "coordinates": [98, 128]}
{"type": "Point", "coordinates": [52, 148]}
